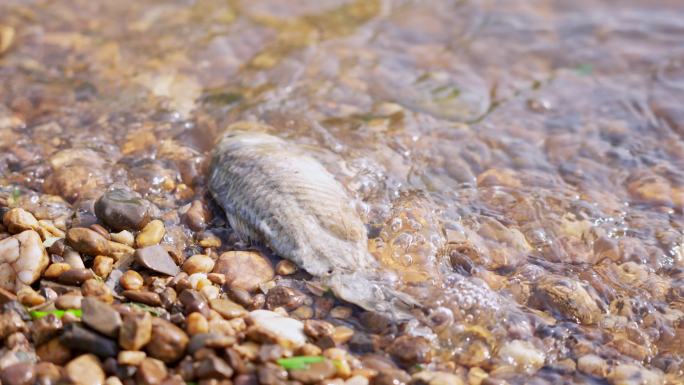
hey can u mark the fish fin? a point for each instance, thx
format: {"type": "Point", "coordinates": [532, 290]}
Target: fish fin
{"type": "Point", "coordinates": [373, 294]}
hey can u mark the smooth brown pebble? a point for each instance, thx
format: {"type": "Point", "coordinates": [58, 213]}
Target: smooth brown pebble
{"type": "Point", "coordinates": [151, 372]}
{"type": "Point", "coordinates": [198, 263]}
{"type": "Point", "coordinates": [285, 267]}
{"type": "Point", "coordinates": [85, 370]}
{"type": "Point", "coordinates": [131, 280]}
{"type": "Point", "coordinates": [244, 269]}
{"type": "Point", "coordinates": [151, 234]}
{"type": "Point", "coordinates": [102, 266]}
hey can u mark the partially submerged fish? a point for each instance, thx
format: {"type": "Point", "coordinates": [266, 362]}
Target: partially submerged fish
{"type": "Point", "coordinates": [280, 197]}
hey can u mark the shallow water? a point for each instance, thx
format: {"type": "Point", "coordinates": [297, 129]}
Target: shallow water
{"type": "Point", "coordinates": [500, 151]}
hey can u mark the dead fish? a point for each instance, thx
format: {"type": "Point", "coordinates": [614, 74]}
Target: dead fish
{"type": "Point", "coordinates": [274, 194]}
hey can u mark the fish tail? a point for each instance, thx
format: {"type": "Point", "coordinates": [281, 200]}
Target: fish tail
{"type": "Point", "coordinates": [372, 293]}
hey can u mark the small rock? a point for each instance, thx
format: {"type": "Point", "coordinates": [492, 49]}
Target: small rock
{"type": "Point", "coordinates": [18, 220]}
{"type": "Point", "coordinates": [97, 289]}
{"type": "Point", "coordinates": [244, 269]}
{"type": "Point", "coordinates": [136, 331]}
{"type": "Point", "coordinates": [71, 300]}
{"type": "Point", "coordinates": [341, 312]}
{"type": "Point", "coordinates": [409, 351]}
{"type": "Point", "coordinates": [158, 259]}
{"type": "Point", "coordinates": [85, 370]}
{"type": "Point", "coordinates": [131, 280]}
{"type": "Point", "coordinates": [151, 234]}
{"type": "Point", "coordinates": [593, 365]}
{"type": "Point", "coordinates": [79, 338]}
{"type": "Point", "coordinates": [213, 367]}
{"type": "Point", "coordinates": [246, 379]}
{"type": "Point", "coordinates": [87, 241]}
{"type": "Point", "coordinates": [303, 313]}
{"type": "Point", "coordinates": [75, 277]}
{"type": "Point", "coordinates": [100, 317]}
{"type": "Point", "coordinates": [129, 357]}
{"type": "Point", "coordinates": [11, 322]}
{"type": "Point", "coordinates": [522, 354]}
{"type": "Point", "coordinates": [286, 297]}
{"type": "Point", "coordinates": [227, 308]}
{"type": "Point", "coordinates": [342, 334]}
{"type": "Point", "coordinates": [193, 301]}
{"type": "Point", "coordinates": [29, 297]}
{"type": "Point", "coordinates": [55, 270]}
{"type": "Point", "coordinates": [22, 260]}
{"type": "Point", "coordinates": [115, 381]}
{"type": "Point", "coordinates": [436, 378]}
{"type": "Point", "coordinates": [630, 374]}
{"type": "Point", "coordinates": [45, 328]}
{"type": "Point", "coordinates": [316, 372]}
{"type": "Point", "coordinates": [317, 329]}
{"type": "Point", "coordinates": [271, 327]}
{"type": "Point", "coordinates": [124, 237]}
{"type": "Point", "coordinates": [102, 266]}
{"type": "Point", "coordinates": [151, 372]}
{"type": "Point", "coordinates": [391, 377]}
{"type": "Point", "coordinates": [196, 324]}
{"type": "Point", "coordinates": [122, 209]}
{"type": "Point", "coordinates": [47, 373]}
{"type": "Point", "coordinates": [376, 323]}
{"type": "Point", "coordinates": [197, 216]}
{"type": "Point", "coordinates": [198, 264]}
{"type": "Point", "coordinates": [271, 374]}
{"type": "Point", "coordinates": [147, 297]}
{"type": "Point", "coordinates": [168, 341]}
{"type": "Point", "coordinates": [22, 373]}
{"type": "Point", "coordinates": [54, 351]}
{"type": "Point", "coordinates": [285, 267]}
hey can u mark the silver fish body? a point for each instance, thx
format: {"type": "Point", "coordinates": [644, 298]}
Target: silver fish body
{"type": "Point", "coordinates": [278, 196]}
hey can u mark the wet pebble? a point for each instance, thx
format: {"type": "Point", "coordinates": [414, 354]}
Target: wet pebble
{"type": "Point", "coordinates": [18, 220]}
{"type": "Point", "coordinates": [286, 297]}
{"type": "Point", "coordinates": [270, 327]}
{"type": "Point", "coordinates": [122, 209]}
{"type": "Point", "coordinates": [55, 270]}
{"type": "Point", "coordinates": [146, 297]}
{"type": "Point", "coordinates": [196, 324]}
{"type": "Point", "coordinates": [131, 280]}
{"type": "Point", "coordinates": [75, 277]}
{"type": "Point", "coordinates": [136, 331]}
{"type": "Point", "coordinates": [156, 258]}
{"type": "Point", "coordinates": [168, 341]}
{"type": "Point", "coordinates": [244, 269]}
{"type": "Point", "coordinates": [79, 338]}
{"type": "Point", "coordinates": [54, 351]}
{"type": "Point", "coordinates": [522, 354]}
{"type": "Point", "coordinates": [87, 241]}
{"type": "Point", "coordinates": [102, 266]}
{"type": "Point", "coordinates": [409, 351]}
{"type": "Point", "coordinates": [85, 370]}
{"type": "Point", "coordinates": [193, 301]}
{"type": "Point", "coordinates": [18, 374]}
{"type": "Point", "coordinates": [124, 237]}
{"type": "Point", "coordinates": [70, 300]}
{"type": "Point", "coordinates": [316, 329]}
{"type": "Point", "coordinates": [151, 234]}
{"type": "Point", "coordinates": [427, 377]}
{"type": "Point", "coordinates": [150, 372]}
{"type": "Point", "coordinates": [11, 322]}
{"type": "Point", "coordinates": [213, 367]}
{"type": "Point", "coordinates": [227, 308]}
{"type": "Point", "coordinates": [100, 316]}
{"type": "Point", "coordinates": [285, 267]}
{"type": "Point", "coordinates": [22, 260]}
{"type": "Point", "coordinates": [197, 216]}
{"type": "Point", "coordinates": [593, 365]}
{"type": "Point", "coordinates": [198, 264]}
{"type": "Point", "coordinates": [316, 372]}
